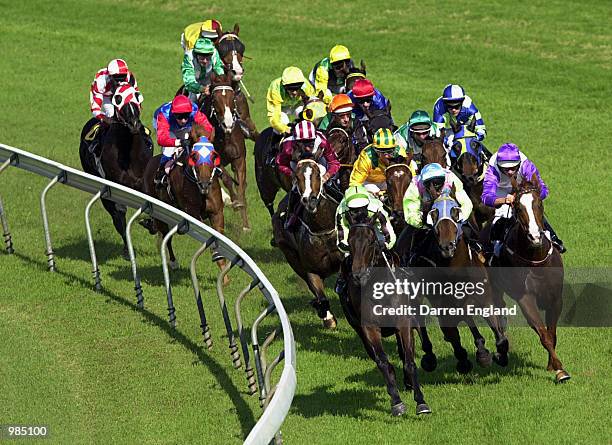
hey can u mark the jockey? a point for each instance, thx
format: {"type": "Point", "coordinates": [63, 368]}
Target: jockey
{"type": "Point", "coordinates": [329, 74]}
{"type": "Point", "coordinates": [341, 116]}
{"type": "Point", "coordinates": [433, 181]}
{"type": "Point", "coordinates": [412, 135]}
{"type": "Point", "coordinates": [198, 66]}
{"type": "Point", "coordinates": [285, 96]}
{"type": "Point", "coordinates": [455, 107]}
{"type": "Point", "coordinates": [208, 29]}
{"type": "Point", "coordinates": [368, 99]}
{"type": "Point", "coordinates": [103, 88]}
{"type": "Point", "coordinates": [369, 168]}
{"type": "Point", "coordinates": [358, 201]}
{"type": "Point", "coordinates": [305, 142]}
{"type": "Point", "coordinates": [509, 162]}
{"type": "Point", "coordinates": [175, 117]}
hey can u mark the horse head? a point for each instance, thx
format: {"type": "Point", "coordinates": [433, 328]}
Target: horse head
{"type": "Point", "coordinates": [433, 151]}
{"type": "Point", "coordinates": [354, 74]}
{"type": "Point", "coordinates": [469, 160]}
{"type": "Point", "coordinates": [127, 102]}
{"type": "Point", "coordinates": [378, 119]}
{"type": "Point", "coordinates": [203, 161]}
{"type": "Point", "coordinates": [223, 100]}
{"type": "Point", "coordinates": [340, 141]}
{"type": "Point", "coordinates": [364, 246]}
{"type": "Point", "coordinates": [398, 177]}
{"type": "Point", "coordinates": [528, 209]}
{"type": "Point", "coordinates": [231, 50]}
{"type": "Point", "coordinates": [444, 218]}
{"type": "Point", "coordinates": [309, 182]}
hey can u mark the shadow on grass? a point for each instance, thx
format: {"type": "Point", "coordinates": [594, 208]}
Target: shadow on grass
{"type": "Point", "coordinates": [324, 400]}
{"type": "Point", "coordinates": [78, 249]}
{"type": "Point", "coordinates": [245, 415]}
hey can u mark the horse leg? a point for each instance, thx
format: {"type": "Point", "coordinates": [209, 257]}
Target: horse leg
{"type": "Point", "coordinates": [451, 335]}
{"type": "Point", "coordinates": [372, 341]}
{"type": "Point", "coordinates": [429, 362]}
{"type": "Point", "coordinates": [530, 311]}
{"type": "Point", "coordinates": [552, 317]}
{"type": "Point", "coordinates": [405, 342]}
{"type": "Point", "coordinates": [320, 302]}
{"type": "Point", "coordinates": [217, 221]}
{"type": "Point", "coordinates": [483, 356]}
{"type": "Point", "coordinates": [239, 168]}
{"type": "Point", "coordinates": [119, 222]}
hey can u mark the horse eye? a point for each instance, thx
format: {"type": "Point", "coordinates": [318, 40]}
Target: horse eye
{"type": "Point", "coordinates": [118, 99]}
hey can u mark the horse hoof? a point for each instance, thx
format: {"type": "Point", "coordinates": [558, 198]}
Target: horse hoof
{"type": "Point", "coordinates": [173, 265]}
{"type": "Point", "coordinates": [562, 376]}
{"type": "Point", "coordinates": [501, 359]}
{"type": "Point", "coordinates": [246, 229]}
{"type": "Point", "coordinates": [273, 243]}
{"type": "Point", "coordinates": [330, 322]}
{"type": "Point", "coordinates": [398, 410]}
{"type": "Point", "coordinates": [126, 254]}
{"type": "Point", "coordinates": [484, 358]}
{"type": "Point", "coordinates": [429, 362]}
{"type": "Point", "coordinates": [464, 367]}
{"type": "Point", "coordinates": [422, 408]}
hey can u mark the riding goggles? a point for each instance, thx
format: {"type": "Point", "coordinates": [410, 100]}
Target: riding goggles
{"type": "Point", "coordinates": [437, 183]}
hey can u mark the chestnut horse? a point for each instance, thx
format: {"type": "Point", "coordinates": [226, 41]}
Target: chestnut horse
{"type": "Point", "coordinates": [433, 151]}
{"type": "Point", "coordinates": [229, 141]}
{"type": "Point", "coordinates": [311, 249]}
{"type": "Point", "coordinates": [535, 281]}
{"type": "Point", "coordinates": [398, 177]}
{"type": "Point", "coordinates": [122, 152]}
{"type": "Point", "coordinates": [366, 254]}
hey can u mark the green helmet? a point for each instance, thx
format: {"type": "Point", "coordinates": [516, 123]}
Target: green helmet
{"type": "Point", "coordinates": [356, 197]}
{"type": "Point", "coordinates": [204, 46]}
{"type": "Point", "coordinates": [419, 117]}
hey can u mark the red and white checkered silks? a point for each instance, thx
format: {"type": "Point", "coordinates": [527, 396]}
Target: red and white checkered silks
{"type": "Point", "coordinates": [102, 91]}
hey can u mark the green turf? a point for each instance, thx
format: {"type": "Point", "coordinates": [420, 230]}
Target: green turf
{"type": "Point", "coordinates": [96, 370]}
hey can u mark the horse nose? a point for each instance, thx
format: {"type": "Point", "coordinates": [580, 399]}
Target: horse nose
{"type": "Point", "coordinates": [536, 240]}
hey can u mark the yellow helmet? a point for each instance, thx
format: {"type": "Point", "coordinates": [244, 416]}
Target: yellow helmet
{"type": "Point", "coordinates": [292, 74]}
{"type": "Point", "coordinates": [338, 53]}
{"type": "Point", "coordinates": [384, 140]}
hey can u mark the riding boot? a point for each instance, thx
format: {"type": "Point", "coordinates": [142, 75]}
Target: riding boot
{"type": "Point", "coordinates": [553, 236]}
{"type": "Point", "coordinates": [341, 281]}
{"type": "Point", "coordinates": [498, 231]}
{"type": "Point", "coordinates": [292, 214]}
{"type": "Point", "coordinates": [275, 139]}
{"type": "Point", "coordinates": [160, 176]}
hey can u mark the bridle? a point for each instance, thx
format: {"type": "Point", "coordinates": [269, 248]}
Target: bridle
{"type": "Point", "coordinates": [227, 128]}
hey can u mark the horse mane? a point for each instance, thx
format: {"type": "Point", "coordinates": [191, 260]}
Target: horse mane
{"type": "Point", "coordinates": [224, 79]}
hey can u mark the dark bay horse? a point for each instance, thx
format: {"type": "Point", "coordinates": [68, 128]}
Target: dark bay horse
{"type": "Point", "coordinates": [193, 186]}
{"type": "Point", "coordinates": [310, 249]}
{"type": "Point", "coordinates": [434, 151]}
{"type": "Point", "coordinates": [341, 142]}
{"type": "Point", "coordinates": [449, 259]}
{"type": "Point", "coordinates": [398, 177]}
{"type": "Point", "coordinates": [532, 270]}
{"type": "Point", "coordinates": [231, 50]}
{"type": "Point", "coordinates": [229, 141]}
{"type": "Point", "coordinates": [366, 253]}
{"type": "Point", "coordinates": [122, 150]}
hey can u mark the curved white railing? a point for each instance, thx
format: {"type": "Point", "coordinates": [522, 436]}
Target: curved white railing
{"type": "Point", "coordinates": [277, 400]}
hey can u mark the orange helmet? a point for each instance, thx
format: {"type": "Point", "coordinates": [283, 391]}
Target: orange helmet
{"type": "Point", "coordinates": [341, 103]}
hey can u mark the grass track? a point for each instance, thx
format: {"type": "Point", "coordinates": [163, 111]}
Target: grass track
{"type": "Point", "coordinates": [98, 371]}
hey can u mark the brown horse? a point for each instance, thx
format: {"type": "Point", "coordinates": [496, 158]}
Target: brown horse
{"type": "Point", "coordinates": [354, 74]}
{"type": "Point", "coordinates": [433, 151]}
{"type": "Point", "coordinates": [229, 141]}
{"type": "Point", "coordinates": [311, 249]}
{"type": "Point", "coordinates": [366, 254]}
{"type": "Point", "coordinates": [398, 177]}
{"type": "Point", "coordinates": [119, 153]}
{"type": "Point", "coordinates": [231, 50]}
{"type": "Point", "coordinates": [193, 186]}
{"type": "Point", "coordinates": [535, 281]}
{"type": "Point", "coordinates": [340, 141]}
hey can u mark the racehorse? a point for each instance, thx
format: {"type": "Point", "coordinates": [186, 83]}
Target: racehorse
{"type": "Point", "coordinates": [311, 249]}
{"type": "Point", "coordinates": [354, 74]}
{"type": "Point", "coordinates": [231, 50]}
{"type": "Point", "coordinates": [469, 164]}
{"type": "Point", "coordinates": [193, 186]}
{"type": "Point", "coordinates": [532, 270]}
{"type": "Point", "coordinates": [121, 151]}
{"type": "Point", "coordinates": [366, 253]}
{"type": "Point", "coordinates": [451, 260]}
{"type": "Point", "coordinates": [341, 142]}
{"type": "Point", "coordinates": [433, 151]}
{"type": "Point", "coordinates": [398, 177]}
{"type": "Point", "coordinates": [229, 141]}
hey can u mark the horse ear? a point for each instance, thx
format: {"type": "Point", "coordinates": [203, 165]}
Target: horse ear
{"type": "Point", "coordinates": [455, 214]}
{"type": "Point", "coordinates": [534, 181]}
{"type": "Point", "coordinates": [363, 66]}
{"type": "Point", "coordinates": [321, 95]}
{"type": "Point", "coordinates": [453, 191]}
{"type": "Point", "coordinates": [432, 217]}
{"type": "Point", "coordinates": [236, 29]}
{"type": "Point", "coordinates": [514, 184]}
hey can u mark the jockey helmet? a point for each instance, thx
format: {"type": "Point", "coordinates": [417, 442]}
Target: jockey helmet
{"type": "Point", "coordinates": [292, 75]}
{"type": "Point", "coordinates": [117, 67]}
{"type": "Point", "coordinates": [356, 197]}
{"type": "Point", "coordinates": [304, 131]}
{"type": "Point", "coordinates": [508, 155]}
{"type": "Point", "coordinates": [363, 88]}
{"type": "Point", "coordinates": [384, 140]}
{"type": "Point", "coordinates": [453, 93]}
{"type": "Point", "coordinates": [339, 53]}
{"type": "Point", "coordinates": [433, 173]}
{"type": "Point", "coordinates": [181, 104]}
{"type": "Point", "coordinates": [204, 46]}
{"type": "Point", "coordinates": [419, 122]}
{"type": "Point", "coordinates": [341, 103]}
{"type": "Point", "coordinates": [211, 29]}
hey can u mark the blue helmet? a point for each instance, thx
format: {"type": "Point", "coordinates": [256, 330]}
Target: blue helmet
{"type": "Point", "coordinates": [432, 171]}
{"type": "Point", "coordinates": [453, 93]}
